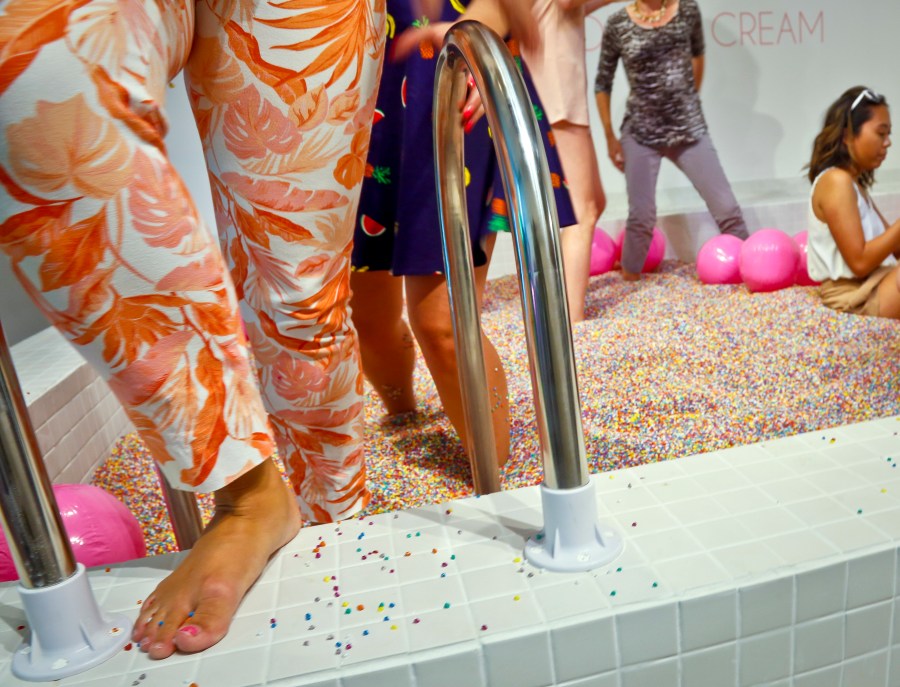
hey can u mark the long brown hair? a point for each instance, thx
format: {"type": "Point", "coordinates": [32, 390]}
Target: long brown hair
{"type": "Point", "coordinates": [829, 148]}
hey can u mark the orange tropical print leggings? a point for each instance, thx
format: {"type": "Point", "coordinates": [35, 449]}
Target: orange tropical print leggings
{"type": "Point", "coordinates": [98, 226]}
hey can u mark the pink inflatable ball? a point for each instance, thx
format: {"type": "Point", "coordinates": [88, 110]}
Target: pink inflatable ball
{"type": "Point", "coordinates": [100, 528]}
{"type": "Point", "coordinates": [603, 253]}
{"type": "Point", "coordinates": [655, 254]}
{"type": "Point", "coordinates": [802, 278]}
{"type": "Point", "coordinates": [769, 260]}
{"type": "Point", "coordinates": [718, 261]}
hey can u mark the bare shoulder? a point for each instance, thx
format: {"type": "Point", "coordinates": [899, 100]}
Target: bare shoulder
{"type": "Point", "coordinates": [833, 182]}
{"type": "Point", "coordinates": [834, 196]}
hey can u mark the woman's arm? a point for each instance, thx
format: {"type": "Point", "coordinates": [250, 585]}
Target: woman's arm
{"type": "Point", "coordinates": [502, 16]}
{"type": "Point", "coordinates": [887, 226]}
{"type": "Point", "coordinates": [698, 47]}
{"type": "Point", "coordinates": [698, 63]}
{"type": "Point", "coordinates": [589, 5]}
{"type": "Point", "coordinates": [613, 146]}
{"type": "Point", "coordinates": [610, 52]}
{"type": "Point", "coordinates": [834, 202]}
{"type": "Point", "coordinates": [507, 17]}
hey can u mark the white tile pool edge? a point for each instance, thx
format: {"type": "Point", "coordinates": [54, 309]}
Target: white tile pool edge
{"type": "Point", "coordinates": [772, 564]}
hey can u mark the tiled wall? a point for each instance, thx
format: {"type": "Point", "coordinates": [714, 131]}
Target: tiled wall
{"type": "Point", "coordinates": [76, 418]}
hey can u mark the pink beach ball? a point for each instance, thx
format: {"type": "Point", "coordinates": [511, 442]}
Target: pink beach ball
{"type": "Point", "coordinates": [802, 278]}
{"type": "Point", "coordinates": [769, 260]}
{"type": "Point", "coordinates": [655, 254]}
{"type": "Point", "coordinates": [100, 528]}
{"type": "Point", "coordinates": [718, 261]}
{"type": "Point", "coordinates": [603, 253]}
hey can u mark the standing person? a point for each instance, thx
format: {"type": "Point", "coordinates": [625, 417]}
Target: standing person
{"type": "Point", "coordinates": [851, 247]}
{"type": "Point", "coordinates": [660, 43]}
{"type": "Point", "coordinates": [398, 241]}
{"type": "Point", "coordinates": [98, 227]}
{"type": "Point", "coordinates": [558, 69]}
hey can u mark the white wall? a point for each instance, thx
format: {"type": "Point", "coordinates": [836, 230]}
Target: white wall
{"type": "Point", "coordinates": [772, 68]}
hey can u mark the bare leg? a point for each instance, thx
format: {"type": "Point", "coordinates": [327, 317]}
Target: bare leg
{"type": "Point", "coordinates": [385, 340]}
{"type": "Point", "coordinates": [579, 161]}
{"type": "Point", "coordinates": [428, 305]}
{"type": "Point", "coordinates": [889, 295]}
{"type": "Point", "coordinates": [192, 608]}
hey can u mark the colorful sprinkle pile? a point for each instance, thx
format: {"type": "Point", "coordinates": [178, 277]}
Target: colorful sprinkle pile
{"type": "Point", "coordinates": [667, 367]}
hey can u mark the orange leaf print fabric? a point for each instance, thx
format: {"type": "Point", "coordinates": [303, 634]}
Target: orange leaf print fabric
{"type": "Point", "coordinates": [212, 72]}
{"type": "Point", "coordinates": [137, 383]}
{"type": "Point", "coordinates": [347, 31]}
{"type": "Point", "coordinates": [74, 253]}
{"type": "Point", "coordinates": [29, 25]}
{"type": "Point", "coordinates": [31, 233]}
{"type": "Point", "coordinates": [102, 31]}
{"type": "Point", "coordinates": [159, 204]}
{"type": "Point", "coordinates": [282, 195]}
{"type": "Point", "coordinates": [255, 128]}
{"type": "Point", "coordinates": [131, 324]}
{"type": "Point", "coordinates": [67, 147]}
{"type": "Point", "coordinates": [100, 228]}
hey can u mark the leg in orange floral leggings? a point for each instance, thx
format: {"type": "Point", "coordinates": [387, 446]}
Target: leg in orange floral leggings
{"type": "Point", "coordinates": [99, 229]}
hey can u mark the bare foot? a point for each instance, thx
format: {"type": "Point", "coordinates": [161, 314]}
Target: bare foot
{"type": "Point", "coordinates": [630, 276]}
{"type": "Point", "coordinates": [192, 608]}
{"type": "Point", "coordinates": [397, 400]}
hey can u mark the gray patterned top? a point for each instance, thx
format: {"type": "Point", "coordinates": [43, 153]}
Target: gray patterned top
{"type": "Point", "coordinates": [663, 107]}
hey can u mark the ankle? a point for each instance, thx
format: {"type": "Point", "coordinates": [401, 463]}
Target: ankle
{"type": "Point", "coordinates": [262, 482]}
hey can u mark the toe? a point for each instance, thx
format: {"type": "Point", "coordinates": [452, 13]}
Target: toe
{"type": "Point", "coordinates": [205, 627]}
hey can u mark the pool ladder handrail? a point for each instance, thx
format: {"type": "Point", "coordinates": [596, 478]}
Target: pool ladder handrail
{"type": "Point", "coordinates": [572, 537]}
{"type": "Point", "coordinates": [68, 631]}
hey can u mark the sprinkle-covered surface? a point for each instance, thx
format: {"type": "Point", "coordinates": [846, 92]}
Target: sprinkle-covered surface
{"type": "Point", "coordinates": [756, 555]}
{"type": "Point", "coordinates": [667, 368]}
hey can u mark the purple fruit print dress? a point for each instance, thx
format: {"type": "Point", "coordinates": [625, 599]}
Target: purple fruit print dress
{"type": "Point", "coordinates": [398, 226]}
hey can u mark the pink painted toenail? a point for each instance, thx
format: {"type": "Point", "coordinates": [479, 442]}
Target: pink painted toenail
{"type": "Point", "coordinates": [191, 630]}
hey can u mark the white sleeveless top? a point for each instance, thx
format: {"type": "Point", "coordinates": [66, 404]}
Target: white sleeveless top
{"type": "Point", "coordinates": [824, 260]}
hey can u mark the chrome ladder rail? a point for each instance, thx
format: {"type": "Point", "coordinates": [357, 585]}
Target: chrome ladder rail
{"type": "Point", "coordinates": [572, 538]}
{"type": "Point", "coordinates": [68, 631]}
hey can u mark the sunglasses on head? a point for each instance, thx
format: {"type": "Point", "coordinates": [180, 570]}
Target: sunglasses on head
{"type": "Point", "coordinates": [866, 93]}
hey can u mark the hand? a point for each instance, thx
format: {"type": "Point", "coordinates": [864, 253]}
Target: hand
{"type": "Point", "coordinates": [614, 147]}
{"type": "Point", "coordinates": [408, 41]}
{"type": "Point", "coordinates": [501, 16]}
{"type": "Point", "coordinates": [472, 107]}
{"type": "Point", "coordinates": [427, 8]}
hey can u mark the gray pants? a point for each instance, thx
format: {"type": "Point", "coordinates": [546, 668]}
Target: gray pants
{"type": "Point", "coordinates": [700, 163]}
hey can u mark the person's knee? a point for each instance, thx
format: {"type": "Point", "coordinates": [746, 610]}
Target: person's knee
{"type": "Point", "coordinates": [435, 337]}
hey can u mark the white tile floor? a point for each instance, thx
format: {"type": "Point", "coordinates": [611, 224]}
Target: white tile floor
{"type": "Point", "coordinates": [772, 564]}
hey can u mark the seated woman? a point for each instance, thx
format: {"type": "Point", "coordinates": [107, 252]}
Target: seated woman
{"type": "Point", "coordinates": [851, 248]}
